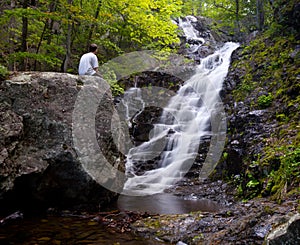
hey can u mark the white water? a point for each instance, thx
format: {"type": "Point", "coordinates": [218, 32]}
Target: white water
{"type": "Point", "coordinates": [191, 110]}
{"type": "Point", "coordinates": [191, 34]}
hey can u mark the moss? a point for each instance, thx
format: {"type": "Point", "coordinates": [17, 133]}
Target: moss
{"type": "Point", "coordinates": [198, 238]}
{"type": "Point", "coordinates": [268, 210]}
{"type": "Point", "coordinates": [267, 63]}
{"type": "Point", "coordinates": [277, 172]}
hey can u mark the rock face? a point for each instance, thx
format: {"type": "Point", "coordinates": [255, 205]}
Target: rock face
{"type": "Point", "coordinates": [39, 166]}
{"type": "Point", "coordinates": [247, 126]}
{"type": "Point", "coordinates": [287, 233]}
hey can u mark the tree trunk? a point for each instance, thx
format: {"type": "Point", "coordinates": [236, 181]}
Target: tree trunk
{"type": "Point", "coordinates": [68, 49]}
{"type": "Point", "coordinates": [52, 8]}
{"type": "Point", "coordinates": [237, 17]}
{"type": "Point", "coordinates": [93, 25]}
{"type": "Point", "coordinates": [24, 35]}
{"type": "Point", "coordinates": [11, 36]}
{"type": "Point", "coordinates": [47, 29]}
{"type": "Point", "coordinates": [67, 58]}
{"type": "Point", "coordinates": [260, 15]}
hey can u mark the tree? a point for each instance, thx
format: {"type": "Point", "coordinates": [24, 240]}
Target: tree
{"type": "Point", "coordinates": [192, 7]}
{"type": "Point", "coordinates": [260, 14]}
{"type": "Point", "coordinates": [68, 41]}
{"type": "Point", "coordinates": [144, 23]}
{"type": "Point", "coordinates": [241, 16]}
{"type": "Point", "coordinates": [60, 30]}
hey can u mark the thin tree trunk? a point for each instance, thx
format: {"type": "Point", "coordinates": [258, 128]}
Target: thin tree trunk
{"type": "Point", "coordinates": [52, 8]}
{"type": "Point", "coordinates": [66, 61]}
{"type": "Point", "coordinates": [24, 35]}
{"type": "Point", "coordinates": [93, 25]}
{"type": "Point", "coordinates": [47, 28]}
{"type": "Point", "coordinates": [260, 14]}
{"type": "Point", "coordinates": [11, 37]}
{"type": "Point", "coordinates": [237, 17]}
{"type": "Point", "coordinates": [68, 49]}
{"type": "Point", "coordinates": [40, 43]}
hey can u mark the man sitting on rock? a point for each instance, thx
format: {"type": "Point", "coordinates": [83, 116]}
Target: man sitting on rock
{"type": "Point", "coordinates": [88, 64]}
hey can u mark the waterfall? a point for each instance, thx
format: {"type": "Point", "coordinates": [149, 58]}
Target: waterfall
{"type": "Point", "coordinates": [190, 33]}
{"type": "Point", "coordinates": [185, 120]}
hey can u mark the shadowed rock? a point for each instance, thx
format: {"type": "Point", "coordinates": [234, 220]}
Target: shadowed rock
{"type": "Point", "coordinates": [39, 166]}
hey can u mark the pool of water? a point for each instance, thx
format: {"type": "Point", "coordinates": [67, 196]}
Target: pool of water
{"type": "Point", "coordinates": [166, 203]}
{"type": "Point", "coordinates": [65, 230]}
{"type": "Point", "coordinates": [87, 229]}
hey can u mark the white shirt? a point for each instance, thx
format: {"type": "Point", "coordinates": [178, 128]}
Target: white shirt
{"type": "Point", "coordinates": [87, 63]}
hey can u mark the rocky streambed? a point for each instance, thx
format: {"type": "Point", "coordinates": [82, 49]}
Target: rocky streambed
{"type": "Point", "coordinates": [40, 172]}
{"type": "Point", "coordinates": [219, 220]}
{"type": "Point", "coordinates": [233, 222]}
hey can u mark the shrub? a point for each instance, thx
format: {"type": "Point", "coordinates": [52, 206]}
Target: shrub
{"type": "Point", "coordinates": [3, 73]}
{"type": "Point", "coordinates": [265, 101]}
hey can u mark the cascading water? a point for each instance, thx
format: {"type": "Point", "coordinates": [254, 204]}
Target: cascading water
{"type": "Point", "coordinates": [185, 120]}
{"type": "Point", "coordinates": [191, 34]}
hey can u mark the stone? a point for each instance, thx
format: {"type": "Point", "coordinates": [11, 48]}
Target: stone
{"type": "Point", "coordinates": [39, 165]}
{"type": "Point", "coordinates": [287, 233]}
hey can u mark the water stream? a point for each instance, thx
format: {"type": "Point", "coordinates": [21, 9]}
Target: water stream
{"type": "Point", "coordinates": [190, 120]}
{"type": "Point", "coordinates": [190, 109]}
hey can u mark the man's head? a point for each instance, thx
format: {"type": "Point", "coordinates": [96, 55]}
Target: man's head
{"type": "Point", "coordinates": [93, 47]}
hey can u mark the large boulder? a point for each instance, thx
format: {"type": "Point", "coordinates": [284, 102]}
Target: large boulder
{"type": "Point", "coordinates": [39, 166]}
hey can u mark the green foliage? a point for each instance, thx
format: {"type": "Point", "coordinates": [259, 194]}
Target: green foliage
{"type": "Point", "coordinates": [247, 84]}
{"type": "Point", "coordinates": [116, 26]}
{"type": "Point", "coordinates": [48, 60]}
{"type": "Point", "coordinates": [276, 174]}
{"type": "Point", "coordinates": [110, 77]}
{"type": "Point", "coordinates": [288, 175]}
{"type": "Point", "coordinates": [3, 73]}
{"type": "Point", "coordinates": [251, 184]}
{"type": "Point", "coordinates": [146, 23]}
{"type": "Point", "coordinates": [192, 7]}
{"type": "Point", "coordinates": [265, 101]}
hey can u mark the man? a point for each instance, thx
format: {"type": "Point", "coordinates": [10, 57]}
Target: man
{"type": "Point", "coordinates": [88, 64]}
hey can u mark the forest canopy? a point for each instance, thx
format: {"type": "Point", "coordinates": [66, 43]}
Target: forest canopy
{"type": "Point", "coordinates": [45, 35]}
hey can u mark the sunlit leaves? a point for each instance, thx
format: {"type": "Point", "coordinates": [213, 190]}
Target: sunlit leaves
{"type": "Point", "coordinates": [116, 26]}
{"type": "Point", "coordinates": [146, 22]}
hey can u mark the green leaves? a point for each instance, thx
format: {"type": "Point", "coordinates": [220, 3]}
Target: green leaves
{"type": "Point", "coordinates": [50, 61]}
{"type": "Point", "coordinates": [265, 101]}
{"type": "Point", "coordinates": [3, 72]}
{"type": "Point", "coordinates": [147, 23]}
{"type": "Point", "coordinates": [116, 26]}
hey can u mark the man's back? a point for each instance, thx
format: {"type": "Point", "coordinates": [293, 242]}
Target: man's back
{"type": "Point", "coordinates": [87, 63]}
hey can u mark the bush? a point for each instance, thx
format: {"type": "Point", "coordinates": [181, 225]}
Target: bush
{"type": "Point", "coordinates": [265, 101]}
{"type": "Point", "coordinates": [3, 73]}
{"type": "Point", "coordinates": [109, 76]}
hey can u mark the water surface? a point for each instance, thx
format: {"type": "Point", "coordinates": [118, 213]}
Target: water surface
{"type": "Point", "coordinates": [166, 203]}
{"type": "Point", "coordinates": [65, 230]}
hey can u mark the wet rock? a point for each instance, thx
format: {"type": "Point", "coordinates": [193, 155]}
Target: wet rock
{"type": "Point", "coordinates": [38, 162]}
{"type": "Point", "coordinates": [169, 228]}
{"type": "Point", "coordinates": [170, 78]}
{"type": "Point", "coordinates": [181, 243]}
{"type": "Point", "coordinates": [12, 217]}
{"type": "Point", "coordinates": [235, 223]}
{"type": "Point", "coordinates": [287, 233]}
